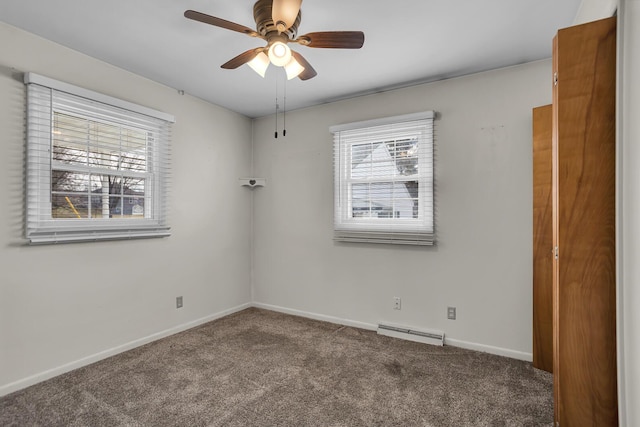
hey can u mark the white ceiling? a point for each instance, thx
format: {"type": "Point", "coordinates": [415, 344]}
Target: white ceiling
{"type": "Point", "coordinates": [406, 42]}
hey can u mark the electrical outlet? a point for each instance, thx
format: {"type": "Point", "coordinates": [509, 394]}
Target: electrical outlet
{"type": "Point", "coordinates": [451, 313]}
{"type": "Point", "coordinates": [178, 302]}
{"type": "Point", "coordinates": [397, 303]}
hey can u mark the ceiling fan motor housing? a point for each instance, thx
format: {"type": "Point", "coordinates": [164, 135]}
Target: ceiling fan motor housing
{"type": "Point", "coordinates": [267, 28]}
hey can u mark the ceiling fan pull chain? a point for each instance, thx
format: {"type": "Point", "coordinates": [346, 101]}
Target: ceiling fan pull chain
{"type": "Point", "coordinates": [284, 109]}
{"type": "Point", "coordinates": [276, 133]}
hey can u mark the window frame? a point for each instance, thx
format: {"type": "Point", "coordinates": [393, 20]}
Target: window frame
{"type": "Point", "coordinates": [347, 228]}
{"type": "Point", "coordinates": [45, 98]}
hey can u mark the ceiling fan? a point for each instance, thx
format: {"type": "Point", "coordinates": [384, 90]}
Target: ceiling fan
{"type": "Point", "coordinates": [277, 23]}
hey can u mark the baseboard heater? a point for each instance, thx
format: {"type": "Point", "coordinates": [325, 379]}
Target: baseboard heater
{"type": "Point", "coordinates": [406, 333]}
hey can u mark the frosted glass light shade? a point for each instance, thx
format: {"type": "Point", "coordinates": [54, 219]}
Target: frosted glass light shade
{"type": "Point", "coordinates": [259, 63]}
{"type": "Point", "coordinates": [293, 69]}
{"type": "Point", "coordinates": [284, 13]}
{"type": "Point", "coordinates": [279, 54]}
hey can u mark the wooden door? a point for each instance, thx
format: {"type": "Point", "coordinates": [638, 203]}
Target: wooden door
{"type": "Point", "coordinates": [542, 240]}
{"type": "Point", "coordinates": [585, 386]}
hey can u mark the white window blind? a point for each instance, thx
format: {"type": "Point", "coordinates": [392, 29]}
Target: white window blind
{"type": "Point", "coordinates": [97, 167]}
{"type": "Point", "coordinates": [383, 180]}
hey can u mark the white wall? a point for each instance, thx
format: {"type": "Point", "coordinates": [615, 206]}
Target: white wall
{"type": "Point", "coordinates": [629, 214]}
{"type": "Point", "coordinates": [593, 10]}
{"type": "Point", "coordinates": [61, 306]}
{"type": "Point", "coordinates": [482, 262]}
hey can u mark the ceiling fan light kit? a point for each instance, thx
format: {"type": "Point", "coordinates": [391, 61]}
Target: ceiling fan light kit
{"type": "Point", "coordinates": [277, 23]}
{"type": "Point", "coordinates": [279, 54]}
{"type": "Point", "coordinates": [293, 69]}
{"type": "Point", "coordinates": [259, 64]}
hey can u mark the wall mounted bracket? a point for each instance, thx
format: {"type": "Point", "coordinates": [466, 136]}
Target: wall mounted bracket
{"type": "Point", "coordinates": [253, 182]}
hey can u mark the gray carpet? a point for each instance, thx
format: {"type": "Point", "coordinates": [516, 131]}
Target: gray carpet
{"type": "Point", "coordinates": [260, 368]}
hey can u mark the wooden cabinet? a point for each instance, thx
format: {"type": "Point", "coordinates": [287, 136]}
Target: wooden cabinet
{"type": "Point", "coordinates": [542, 240]}
{"type": "Point", "coordinates": [583, 199]}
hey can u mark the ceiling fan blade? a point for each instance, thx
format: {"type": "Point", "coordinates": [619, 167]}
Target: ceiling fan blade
{"type": "Point", "coordinates": [242, 59]}
{"type": "Point", "coordinates": [308, 71]}
{"type": "Point", "coordinates": [219, 22]}
{"type": "Point", "coordinates": [284, 13]}
{"type": "Point", "coordinates": [333, 39]}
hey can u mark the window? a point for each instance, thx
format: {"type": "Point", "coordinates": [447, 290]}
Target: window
{"type": "Point", "coordinates": [383, 180]}
{"type": "Point", "coordinates": [97, 167]}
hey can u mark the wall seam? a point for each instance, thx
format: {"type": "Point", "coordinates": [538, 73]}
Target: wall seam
{"type": "Point", "coordinates": [251, 221]}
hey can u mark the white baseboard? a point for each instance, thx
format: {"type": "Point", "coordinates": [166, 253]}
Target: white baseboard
{"type": "Point", "coordinates": [514, 354]}
{"type": "Point", "coordinates": [498, 351]}
{"type": "Point", "coordinates": [42, 376]}
{"type": "Point", "coordinates": [316, 316]}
